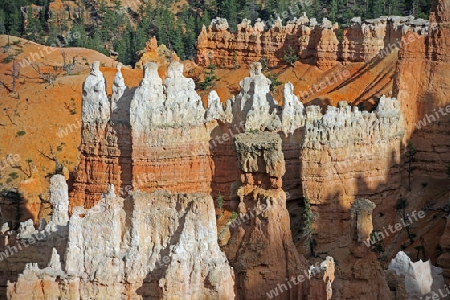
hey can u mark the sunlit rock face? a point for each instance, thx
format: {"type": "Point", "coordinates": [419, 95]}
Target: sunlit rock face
{"type": "Point", "coordinates": [309, 39]}
{"type": "Point", "coordinates": [100, 162]}
{"type": "Point", "coordinates": [288, 151]}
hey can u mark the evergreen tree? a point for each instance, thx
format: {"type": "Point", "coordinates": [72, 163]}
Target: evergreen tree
{"type": "Point", "coordinates": [14, 23]}
{"type": "Point", "coordinates": [333, 10]}
{"type": "Point", "coordinates": [177, 41]}
{"type": "Point", "coordinates": [206, 20]}
{"type": "Point", "coordinates": [79, 31]}
{"type": "Point", "coordinates": [317, 8]}
{"type": "Point", "coordinates": [34, 31]}
{"type": "Point", "coordinates": [189, 38]}
{"type": "Point", "coordinates": [231, 10]}
{"type": "Point", "coordinates": [2, 22]}
{"type": "Point", "coordinates": [375, 8]}
{"type": "Point", "coordinates": [52, 35]}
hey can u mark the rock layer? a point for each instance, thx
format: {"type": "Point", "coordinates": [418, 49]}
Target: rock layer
{"type": "Point", "coordinates": [261, 249]}
{"type": "Point", "coordinates": [310, 41]}
{"type": "Point", "coordinates": [255, 173]}
{"type": "Point", "coordinates": [152, 246]}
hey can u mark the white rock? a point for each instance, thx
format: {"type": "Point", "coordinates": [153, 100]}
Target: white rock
{"type": "Point", "coordinates": [215, 109]}
{"type": "Point", "coordinates": [120, 99]}
{"type": "Point", "coordinates": [95, 107]}
{"type": "Point", "coordinates": [59, 198]}
{"type": "Point", "coordinates": [421, 277]}
{"type": "Point", "coordinates": [293, 110]}
{"type": "Point", "coordinates": [255, 105]}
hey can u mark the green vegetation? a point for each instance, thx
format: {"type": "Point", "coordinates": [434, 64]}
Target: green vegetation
{"type": "Point", "coordinates": [234, 216]}
{"type": "Point", "coordinates": [274, 79]}
{"type": "Point", "coordinates": [73, 109]}
{"type": "Point", "coordinates": [210, 77]}
{"type": "Point", "coordinates": [20, 133]}
{"type": "Point", "coordinates": [219, 201]}
{"type": "Point", "coordinates": [308, 220]}
{"type": "Point", "coordinates": [290, 57]}
{"type": "Point", "coordinates": [8, 59]}
{"type": "Point", "coordinates": [14, 175]}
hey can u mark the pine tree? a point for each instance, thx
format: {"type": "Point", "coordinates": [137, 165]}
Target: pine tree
{"type": "Point", "coordinates": [14, 23]}
{"type": "Point", "coordinates": [52, 35]}
{"type": "Point", "coordinates": [177, 41]}
{"type": "Point", "coordinates": [34, 30]}
{"type": "Point", "coordinates": [317, 8]}
{"type": "Point", "coordinates": [333, 10]}
{"type": "Point", "coordinates": [206, 20]}
{"type": "Point", "coordinates": [140, 40]}
{"type": "Point", "coordinates": [2, 22]}
{"type": "Point", "coordinates": [231, 11]}
{"type": "Point", "coordinates": [189, 38]}
{"type": "Point", "coordinates": [376, 8]}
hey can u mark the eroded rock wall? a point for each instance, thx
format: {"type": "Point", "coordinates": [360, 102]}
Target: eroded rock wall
{"type": "Point", "coordinates": [424, 99]}
{"type": "Point", "coordinates": [36, 245]}
{"type": "Point", "coordinates": [151, 246]}
{"type": "Point", "coordinates": [177, 145]}
{"type": "Point", "coordinates": [261, 249]}
{"type": "Point", "coordinates": [311, 41]}
{"type": "Point", "coordinates": [100, 162]}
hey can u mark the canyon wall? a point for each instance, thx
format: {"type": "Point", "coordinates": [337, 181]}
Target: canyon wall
{"type": "Point", "coordinates": [424, 98]}
{"type": "Point", "coordinates": [158, 136]}
{"type": "Point", "coordinates": [426, 104]}
{"type": "Point", "coordinates": [311, 41]}
{"type": "Point", "coordinates": [149, 246]}
{"type": "Point", "coordinates": [356, 153]}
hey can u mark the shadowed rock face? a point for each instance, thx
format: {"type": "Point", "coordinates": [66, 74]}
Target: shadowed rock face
{"type": "Point", "coordinates": [424, 99]}
{"type": "Point", "coordinates": [425, 102]}
{"type": "Point", "coordinates": [260, 249]}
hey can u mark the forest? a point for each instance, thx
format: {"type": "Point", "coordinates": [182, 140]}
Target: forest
{"type": "Point", "coordinates": [110, 26]}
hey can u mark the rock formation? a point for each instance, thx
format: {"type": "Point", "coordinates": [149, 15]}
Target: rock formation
{"type": "Point", "coordinates": [424, 99]}
{"type": "Point", "coordinates": [362, 216]}
{"type": "Point", "coordinates": [420, 278]}
{"type": "Point", "coordinates": [165, 252]}
{"type": "Point", "coordinates": [131, 149]}
{"type": "Point", "coordinates": [425, 102]}
{"type": "Point", "coordinates": [311, 41]}
{"type": "Point", "coordinates": [100, 152]}
{"type": "Point", "coordinates": [154, 53]}
{"type": "Point", "coordinates": [254, 105]}
{"type": "Point", "coordinates": [444, 259]}
{"type": "Point", "coordinates": [261, 250]}
{"type": "Point", "coordinates": [321, 279]}
{"type": "Point", "coordinates": [28, 244]}
{"type": "Point", "coordinates": [59, 198]}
